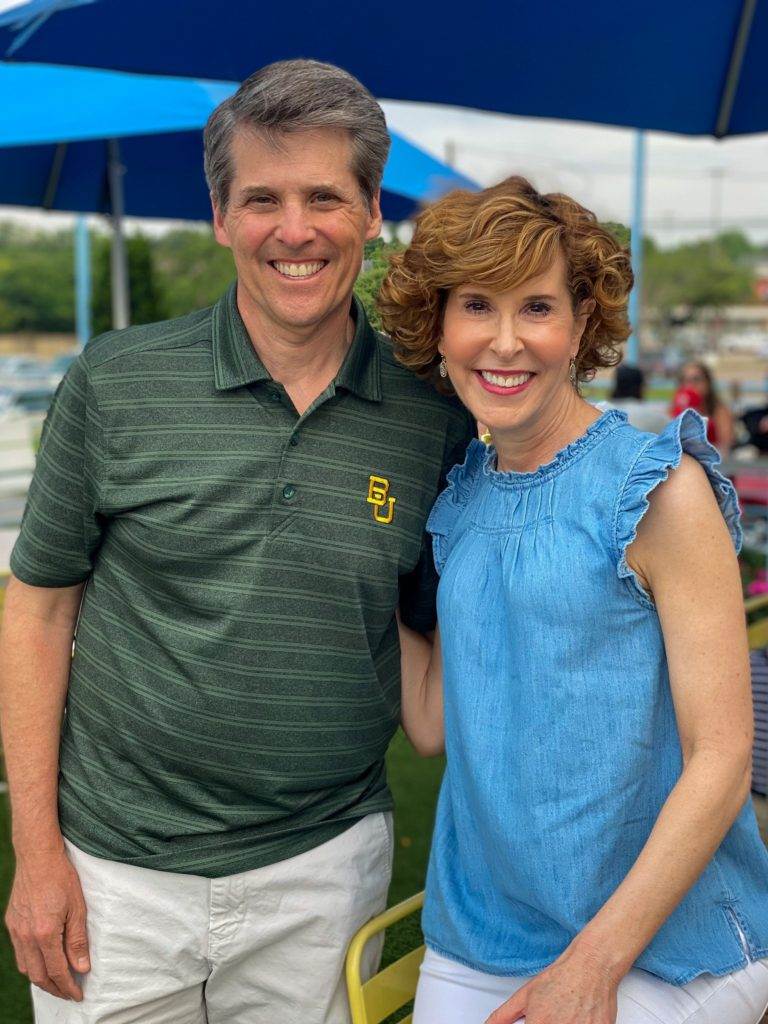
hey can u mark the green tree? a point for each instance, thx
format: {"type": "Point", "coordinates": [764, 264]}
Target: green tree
{"type": "Point", "coordinates": [192, 268]}
{"type": "Point", "coordinates": [147, 299]}
{"type": "Point", "coordinates": [696, 274]}
{"type": "Point", "coordinates": [375, 266]}
{"type": "Point", "coordinates": [36, 280]}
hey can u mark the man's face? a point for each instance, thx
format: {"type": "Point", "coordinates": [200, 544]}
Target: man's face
{"type": "Point", "coordinates": [296, 223]}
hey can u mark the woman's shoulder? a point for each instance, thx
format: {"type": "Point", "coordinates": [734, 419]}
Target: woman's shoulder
{"type": "Point", "coordinates": [682, 450]}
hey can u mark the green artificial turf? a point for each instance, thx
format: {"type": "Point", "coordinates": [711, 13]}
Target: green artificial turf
{"type": "Point", "coordinates": [414, 782]}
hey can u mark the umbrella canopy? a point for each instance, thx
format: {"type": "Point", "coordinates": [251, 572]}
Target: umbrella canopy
{"type": "Point", "coordinates": [696, 69]}
{"type": "Point", "coordinates": [54, 152]}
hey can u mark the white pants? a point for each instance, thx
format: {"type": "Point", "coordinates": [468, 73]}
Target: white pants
{"type": "Point", "coordinates": [259, 947]}
{"type": "Point", "coordinates": [450, 993]}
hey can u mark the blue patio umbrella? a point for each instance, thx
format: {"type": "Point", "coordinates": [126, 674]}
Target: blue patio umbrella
{"type": "Point", "coordinates": [102, 142]}
{"type": "Point", "coordinates": [681, 67]}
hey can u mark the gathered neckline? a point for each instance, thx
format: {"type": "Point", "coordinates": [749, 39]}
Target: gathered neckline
{"type": "Point", "coordinates": [595, 432]}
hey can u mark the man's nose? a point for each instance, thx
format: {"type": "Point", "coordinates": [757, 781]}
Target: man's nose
{"type": "Point", "coordinates": [295, 227]}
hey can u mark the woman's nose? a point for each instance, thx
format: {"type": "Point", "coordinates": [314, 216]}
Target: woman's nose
{"type": "Point", "coordinates": [507, 342]}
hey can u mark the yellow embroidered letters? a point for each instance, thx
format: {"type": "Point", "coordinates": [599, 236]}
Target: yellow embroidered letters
{"type": "Point", "coordinates": [378, 496]}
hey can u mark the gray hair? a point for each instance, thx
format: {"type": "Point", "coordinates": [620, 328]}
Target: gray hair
{"type": "Point", "coordinates": [294, 96]}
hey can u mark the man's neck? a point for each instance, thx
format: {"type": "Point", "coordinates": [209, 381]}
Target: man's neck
{"type": "Point", "coordinates": [304, 360]}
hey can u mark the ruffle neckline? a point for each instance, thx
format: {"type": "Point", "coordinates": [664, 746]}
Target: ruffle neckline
{"type": "Point", "coordinates": [594, 433]}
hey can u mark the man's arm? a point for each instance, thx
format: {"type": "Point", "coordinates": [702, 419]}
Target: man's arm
{"type": "Point", "coordinates": [46, 911]}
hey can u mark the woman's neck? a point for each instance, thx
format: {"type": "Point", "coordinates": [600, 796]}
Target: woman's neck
{"type": "Point", "coordinates": [524, 449]}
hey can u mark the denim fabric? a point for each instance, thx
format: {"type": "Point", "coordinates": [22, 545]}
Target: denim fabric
{"type": "Point", "coordinates": [561, 737]}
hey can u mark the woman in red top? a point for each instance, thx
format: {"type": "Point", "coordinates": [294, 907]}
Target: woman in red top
{"type": "Point", "coordinates": [697, 390]}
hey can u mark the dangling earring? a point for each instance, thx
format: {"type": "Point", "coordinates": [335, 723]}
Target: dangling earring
{"type": "Point", "coordinates": [572, 372]}
{"type": "Point", "coordinates": [443, 368]}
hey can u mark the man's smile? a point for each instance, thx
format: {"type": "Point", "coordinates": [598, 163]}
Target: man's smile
{"type": "Point", "coordinates": [298, 269]}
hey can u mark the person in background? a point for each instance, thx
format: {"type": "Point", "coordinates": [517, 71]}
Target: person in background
{"type": "Point", "coordinates": [697, 390]}
{"type": "Point", "coordinates": [629, 395]}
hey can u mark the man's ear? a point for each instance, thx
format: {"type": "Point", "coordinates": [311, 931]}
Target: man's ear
{"type": "Point", "coordinates": [375, 218]}
{"type": "Point", "coordinates": [220, 232]}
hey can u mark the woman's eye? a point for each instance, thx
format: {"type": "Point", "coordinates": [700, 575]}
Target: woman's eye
{"type": "Point", "coordinates": [539, 308]}
{"type": "Point", "coordinates": [475, 306]}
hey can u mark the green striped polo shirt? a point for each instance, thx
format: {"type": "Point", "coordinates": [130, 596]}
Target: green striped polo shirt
{"type": "Point", "coordinates": [235, 680]}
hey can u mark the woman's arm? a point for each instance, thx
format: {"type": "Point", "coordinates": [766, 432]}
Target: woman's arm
{"type": "Point", "coordinates": [421, 669]}
{"type": "Point", "coordinates": [684, 556]}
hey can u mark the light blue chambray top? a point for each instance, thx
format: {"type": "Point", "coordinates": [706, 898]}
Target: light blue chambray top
{"type": "Point", "coordinates": [561, 736]}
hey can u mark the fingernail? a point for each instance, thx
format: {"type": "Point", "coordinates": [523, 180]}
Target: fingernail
{"type": "Point", "coordinates": [83, 964]}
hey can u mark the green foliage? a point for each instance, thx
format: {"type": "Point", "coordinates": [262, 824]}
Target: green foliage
{"type": "Point", "coordinates": [147, 298]}
{"type": "Point", "coordinates": [186, 270]}
{"type": "Point", "coordinates": [374, 271]}
{"type": "Point", "coordinates": [619, 231]}
{"type": "Point", "coordinates": [706, 273]}
{"type": "Point", "coordinates": [193, 270]}
{"type": "Point", "coordinates": [37, 280]}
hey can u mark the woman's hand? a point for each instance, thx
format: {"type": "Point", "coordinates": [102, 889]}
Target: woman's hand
{"type": "Point", "coordinates": [576, 989]}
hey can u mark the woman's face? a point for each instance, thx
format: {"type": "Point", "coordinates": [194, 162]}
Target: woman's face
{"type": "Point", "coordinates": [508, 353]}
{"type": "Point", "coordinates": [691, 376]}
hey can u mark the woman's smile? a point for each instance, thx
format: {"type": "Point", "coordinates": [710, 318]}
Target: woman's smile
{"type": "Point", "coordinates": [504, 382]}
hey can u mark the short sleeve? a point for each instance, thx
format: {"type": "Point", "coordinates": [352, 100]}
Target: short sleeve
{"type": "Point", "coordinates": [662, 453]}
{"type": "Point", "coordinates": [450, 504]}
{"type": "Point", "coordinates": [60, 529]}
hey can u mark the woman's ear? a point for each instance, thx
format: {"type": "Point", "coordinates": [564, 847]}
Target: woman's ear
{"type": "Point", "coordinates": [583, 312]}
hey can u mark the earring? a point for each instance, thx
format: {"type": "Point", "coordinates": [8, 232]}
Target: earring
{"type": "Point", "coordinates": [443, 368]}
{"type": "Point", "coordinates": [572, 372]}
{"type": "Point", "coordinates": [486, 438]}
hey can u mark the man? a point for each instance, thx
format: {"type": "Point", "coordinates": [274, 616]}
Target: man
{"type": "Point", "coordinates": [233, 503]}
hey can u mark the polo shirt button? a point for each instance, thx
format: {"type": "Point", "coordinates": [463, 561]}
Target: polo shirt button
{"type": "Point", "coordinates": [293, 441]}
{"type": "Point", "coordinates": [289, 492]}
{"type": "Point", "coordinates": [275, 396]}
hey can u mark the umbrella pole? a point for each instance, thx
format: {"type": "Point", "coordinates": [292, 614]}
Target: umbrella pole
{"type": "Point", "coordinates": [121, 303]}
{"type": "Point", "coordinates": [638, 197]}
{"type": "Point", "coordinates": [82, 281]}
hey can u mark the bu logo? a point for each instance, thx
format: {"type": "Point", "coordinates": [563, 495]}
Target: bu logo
{"type": "Point", "coordinates": [378, 496]}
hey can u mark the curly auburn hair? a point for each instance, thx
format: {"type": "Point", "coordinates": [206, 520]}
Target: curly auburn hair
{"type": "Point", "coordinates": [501, 237]}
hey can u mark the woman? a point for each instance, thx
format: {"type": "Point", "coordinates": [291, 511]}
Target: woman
{"type": "Point", "coordinates": [696, 382]}
{"type": "Point", "coordinates": [595, 856]}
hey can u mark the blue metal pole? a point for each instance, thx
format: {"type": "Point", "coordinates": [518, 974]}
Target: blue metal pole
{"type": "Point", "coordinates": [82, 280]}
{"type": "Point", "coordinates": [638, 202]}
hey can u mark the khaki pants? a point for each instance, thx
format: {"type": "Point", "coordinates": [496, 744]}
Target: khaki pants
{"type": "Point", "coordinates": [260, 947]}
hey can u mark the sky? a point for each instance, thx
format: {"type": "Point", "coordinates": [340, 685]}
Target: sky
{"type": "Point", "coordinates": [694, 186]}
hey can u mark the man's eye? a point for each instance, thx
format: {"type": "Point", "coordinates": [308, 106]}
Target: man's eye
{"type": "Point", "coordinates": [326, 197]}
{"type": "Point", "coordinates": [261, 200]}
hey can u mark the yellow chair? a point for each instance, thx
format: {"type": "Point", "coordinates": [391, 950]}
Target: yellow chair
{"type": "Point", "coordinates": [757, 631]}
{"type": "Point", "coordinates": [373, 1001]}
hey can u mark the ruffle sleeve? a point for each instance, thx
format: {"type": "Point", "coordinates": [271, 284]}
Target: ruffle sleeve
{"type": "Point", "coordinates": [446, 511]}
{"type": "Point", "coordinates": [664, 452]}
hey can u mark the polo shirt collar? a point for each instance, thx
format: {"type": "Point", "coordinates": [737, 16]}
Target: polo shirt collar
{"type": "Point", "coordinates": [236, 364]}
{"type": "Point", "coordinates": [360, 372]}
